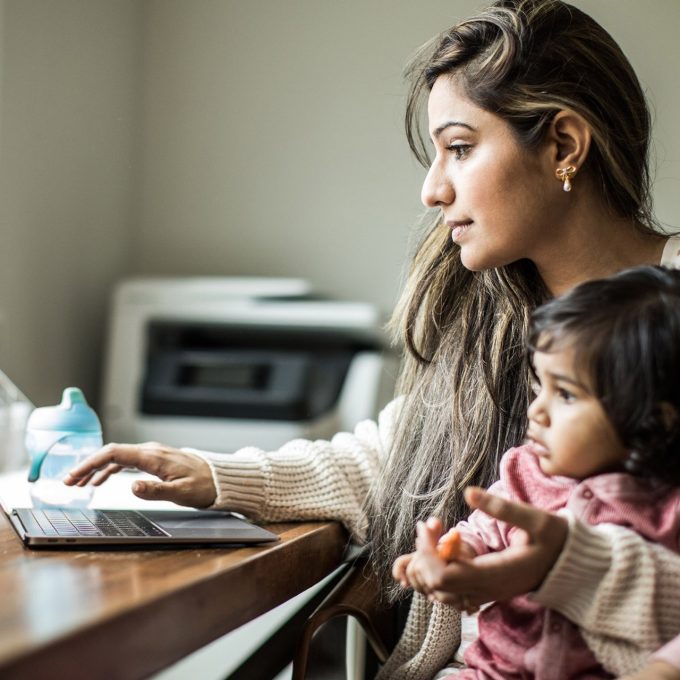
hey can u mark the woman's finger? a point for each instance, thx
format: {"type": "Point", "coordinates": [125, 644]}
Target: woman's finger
{"type": "Point", "coordinates": [417, 572]}
{"type": "Point", "coordinates": [155, 491]}
{"type": "Point", "coordinates": [521, 515]}
{"type": "Point", "coordinates": [100, 477]}
{"type": "Point", "coordinates": [125, 455]}
{"type": "Point", "coordinates": [83, 481]}
{"type": "Point", "coordinates": [178, 491]}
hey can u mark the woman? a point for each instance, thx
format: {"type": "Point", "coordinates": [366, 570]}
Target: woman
{"type": "Point", "coordinates": [539, 181]}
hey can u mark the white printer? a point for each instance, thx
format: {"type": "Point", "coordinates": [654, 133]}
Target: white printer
{"type": "Point", "coordinates": [221, 363]}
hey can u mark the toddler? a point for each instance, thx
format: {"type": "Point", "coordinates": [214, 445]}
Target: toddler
{"type": "Point", "coordinates": [602, 446]}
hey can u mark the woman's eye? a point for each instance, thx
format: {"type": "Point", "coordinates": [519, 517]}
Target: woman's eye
{"type": "Point", "coordinates": [460, 151]}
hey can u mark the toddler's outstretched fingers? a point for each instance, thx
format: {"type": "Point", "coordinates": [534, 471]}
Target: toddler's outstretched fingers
{"type": "Point", "coordinates": [399, 570]}
{"type": "Point", "coordinates": [434, 524]}
{"type": "Point", "coordinates": [427, 534]}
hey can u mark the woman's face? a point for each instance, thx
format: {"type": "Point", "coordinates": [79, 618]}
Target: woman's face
{"type": "Point", "coordinates": [499, 200]}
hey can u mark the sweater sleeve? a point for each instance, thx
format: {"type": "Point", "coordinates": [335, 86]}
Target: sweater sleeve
{"type": "Point", "coordinates": [306, 479]}
{"type": "Point", "coordinates": [429, 641]}
{"type": "Point", "coordinates": [621, 590]}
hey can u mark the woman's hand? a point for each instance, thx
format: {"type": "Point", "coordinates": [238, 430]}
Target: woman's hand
{"type": "Point", "coordinates": [656, 670]}
{"type": "Point", "coordinates": [186, 479]}
{"type": "Point", "coordinates": [517, 570]}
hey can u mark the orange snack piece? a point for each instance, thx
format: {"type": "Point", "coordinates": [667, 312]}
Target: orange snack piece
{"type": "Point", "coordinates": [448, 547]}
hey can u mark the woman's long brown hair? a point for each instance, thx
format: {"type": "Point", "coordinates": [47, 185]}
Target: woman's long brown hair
{"type": "Point", "coordinates": [464, 377]}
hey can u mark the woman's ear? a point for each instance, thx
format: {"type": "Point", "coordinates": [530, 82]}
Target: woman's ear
{"type": "Point", "coordinates": [569, 137]}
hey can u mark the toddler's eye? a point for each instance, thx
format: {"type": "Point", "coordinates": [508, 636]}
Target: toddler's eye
{"type": "Point", "coordinates": [565, 395]}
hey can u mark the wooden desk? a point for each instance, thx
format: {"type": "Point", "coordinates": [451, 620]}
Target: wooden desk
{"type": "Point", "coordinates": [125, 614]}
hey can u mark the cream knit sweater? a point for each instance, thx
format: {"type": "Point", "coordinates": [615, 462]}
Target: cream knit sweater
{"type": "Point", "coordinates": [306, 479]}
{"type": "Point", "coordinates": [621, 591]}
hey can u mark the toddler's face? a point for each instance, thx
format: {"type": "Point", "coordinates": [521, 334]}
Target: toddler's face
{"type": "Point", "coordinates": [568, 428]}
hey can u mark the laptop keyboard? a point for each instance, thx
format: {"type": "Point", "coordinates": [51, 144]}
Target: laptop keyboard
{"type": "Point", "coordinates": [95, 523]}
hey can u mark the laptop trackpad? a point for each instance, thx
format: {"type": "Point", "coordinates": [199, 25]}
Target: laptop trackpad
{"type": "Point", "coordinates": [208, 525]}
{"type": "Point", "coordinates": [190, 519]}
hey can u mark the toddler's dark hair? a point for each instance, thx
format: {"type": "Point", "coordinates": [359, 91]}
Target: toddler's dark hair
{"type": "Point", "coordinates": [625, 332]}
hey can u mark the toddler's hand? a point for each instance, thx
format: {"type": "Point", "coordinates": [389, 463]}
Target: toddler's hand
{"type": "Point", "coordinates": [425, 567]}
{"type": "Point", "coordinates": [399, 569]}
{"type": "Point", "coordinates": [516, 570]}
{"type": "Point", "coordinates": [405, 572]}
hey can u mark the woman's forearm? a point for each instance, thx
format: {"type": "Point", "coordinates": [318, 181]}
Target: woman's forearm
{"type": "Point", "coordinates": [617, 587]}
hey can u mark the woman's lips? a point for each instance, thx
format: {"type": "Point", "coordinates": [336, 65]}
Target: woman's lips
{"type": "Point", "coordinates": [458, 229]}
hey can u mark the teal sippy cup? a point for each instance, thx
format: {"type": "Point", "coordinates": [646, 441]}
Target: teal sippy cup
{"type": "Point", "coordinates": [57, 439]}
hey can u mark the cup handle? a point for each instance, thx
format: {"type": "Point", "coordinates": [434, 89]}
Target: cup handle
{"type": "Point", "coordinates": [39, 458]}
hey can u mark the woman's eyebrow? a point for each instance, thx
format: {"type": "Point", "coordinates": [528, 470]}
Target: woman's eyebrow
{"type": "Point", "coordinates": [451, 123]}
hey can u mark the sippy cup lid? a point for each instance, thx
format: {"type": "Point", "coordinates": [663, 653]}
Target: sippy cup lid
{"type": "Point", "coordinates": [72, 415]}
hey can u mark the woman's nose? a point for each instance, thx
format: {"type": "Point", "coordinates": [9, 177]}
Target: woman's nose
{"type": "Point", "coordinates": [437, 190]}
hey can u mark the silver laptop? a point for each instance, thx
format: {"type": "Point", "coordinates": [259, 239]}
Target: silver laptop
{"type": "Point", "coordinates": [65, 527]}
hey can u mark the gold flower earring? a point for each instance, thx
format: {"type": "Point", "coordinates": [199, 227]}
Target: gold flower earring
{"type": "Point", "coordinates": [565, 175]}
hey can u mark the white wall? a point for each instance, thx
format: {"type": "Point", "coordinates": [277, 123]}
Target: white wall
{"type": "Point", "coordinates": [648, 34]}
{"type": "Point", "coordinates": [273, 136]}
{"type": "Point", "coordinates": [224, 137]}
{"type": "Point", "coordinates": [69, 97]}
{"type": "Point", "coordinates": [273, 140]}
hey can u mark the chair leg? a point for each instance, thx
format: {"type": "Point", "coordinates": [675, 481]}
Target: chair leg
{"type": "Point", "coordinates": [274, 654]}
{"type": "Point", "coordinates": [355, 650]}
{"type": "Point", "coordinates": [355, 595]}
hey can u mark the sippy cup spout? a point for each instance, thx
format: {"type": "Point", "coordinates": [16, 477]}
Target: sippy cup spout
{"type": "Point", "coordinates": [72, 396]}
